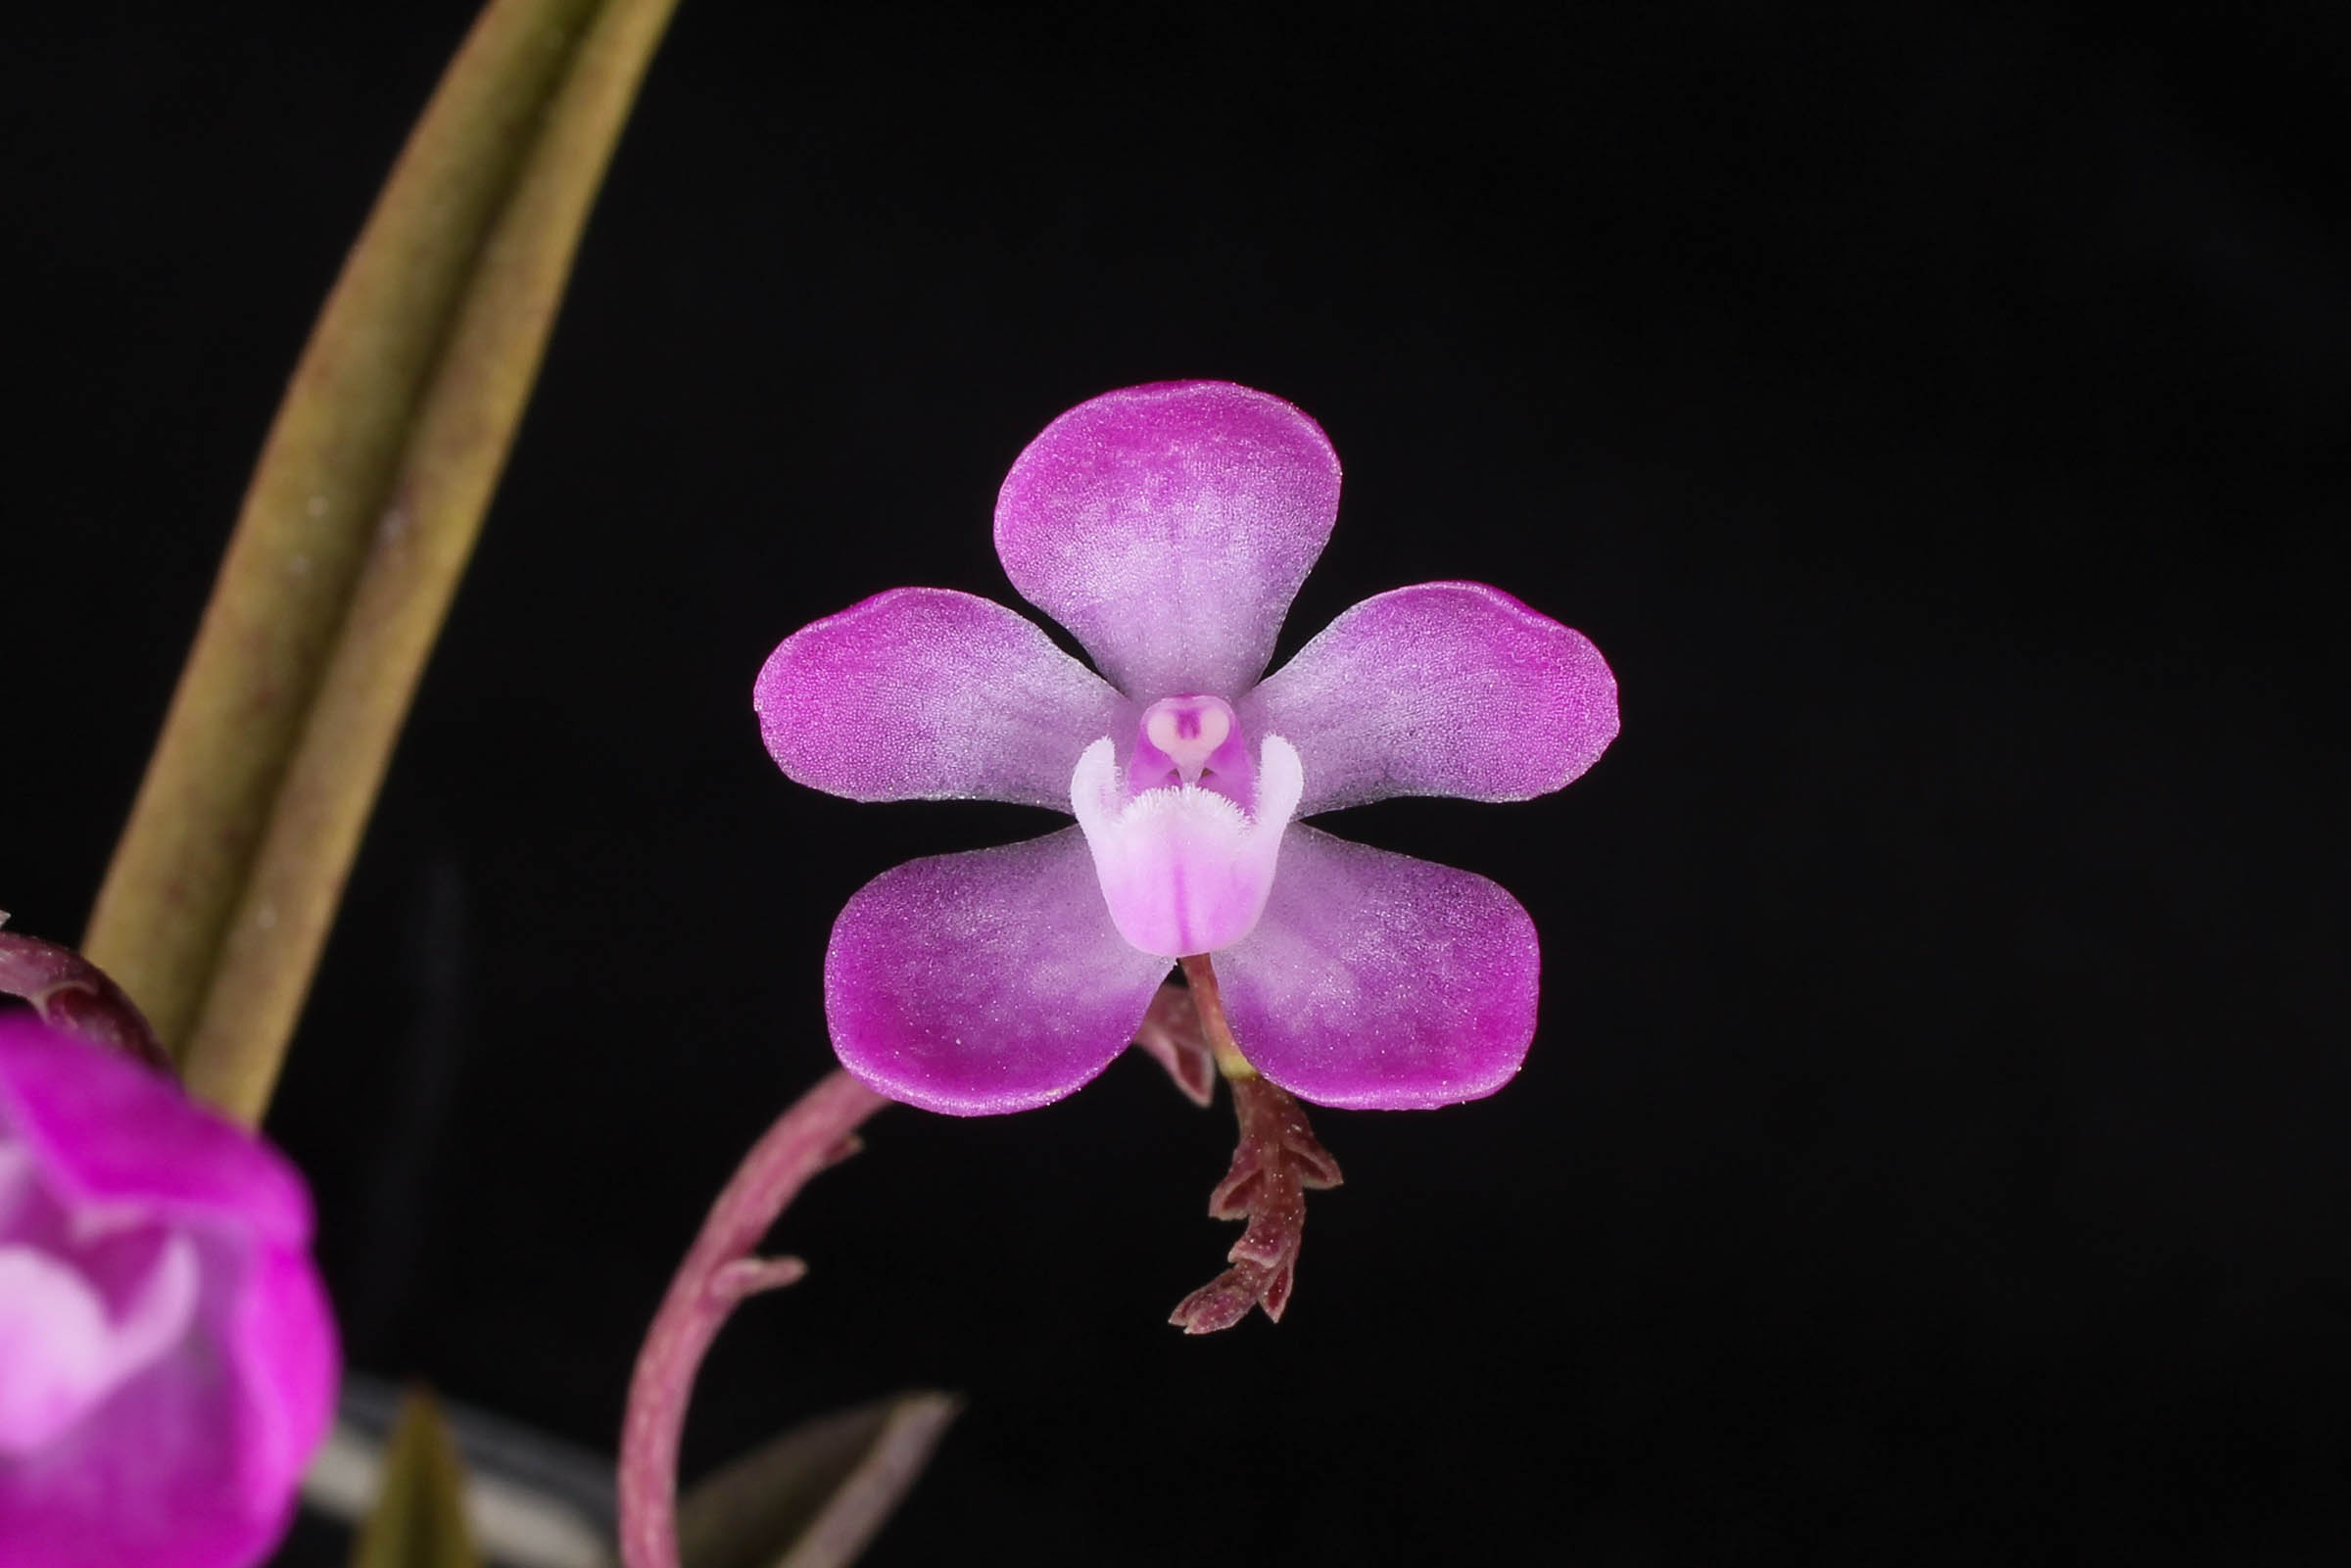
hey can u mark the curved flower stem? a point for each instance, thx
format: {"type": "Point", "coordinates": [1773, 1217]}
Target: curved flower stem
{"type": "Point", "coordinates": [720, 1271]}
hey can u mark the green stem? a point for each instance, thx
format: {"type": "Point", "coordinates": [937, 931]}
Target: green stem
{"type": "Point", "coordinates": [359, 522]}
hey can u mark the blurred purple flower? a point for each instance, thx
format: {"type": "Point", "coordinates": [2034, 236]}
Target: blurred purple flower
{"type": "Point", "coordinates": [1168, 528]}
{"type": "Point", "coordinates": [166, 1357]}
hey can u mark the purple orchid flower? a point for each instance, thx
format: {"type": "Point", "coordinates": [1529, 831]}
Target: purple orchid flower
{"type": "Point", "coordinates": [1168, 527]}
{"type": "Point", "coordinates": [168, 1361]}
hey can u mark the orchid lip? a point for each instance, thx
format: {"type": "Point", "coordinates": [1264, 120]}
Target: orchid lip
{"type": "Point", "coordinates": [1186, 844]}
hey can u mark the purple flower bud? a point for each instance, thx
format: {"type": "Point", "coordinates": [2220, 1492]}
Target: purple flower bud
{"type": "Point", "coordinates": [168, 1361]}
{"type": "Point", "coordinates": [68, 992]}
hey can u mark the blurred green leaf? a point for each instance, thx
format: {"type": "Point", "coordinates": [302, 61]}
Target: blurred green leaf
{"type": "Point", "coordinates": [816, 1495]}
{"type": "Point", "coordinates": [419, 1519]}
{"type": "Point", "coordinates": [358, 524]}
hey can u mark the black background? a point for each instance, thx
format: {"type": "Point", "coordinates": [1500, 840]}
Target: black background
{"type": "Point", "coordinates": [1933, 1150]}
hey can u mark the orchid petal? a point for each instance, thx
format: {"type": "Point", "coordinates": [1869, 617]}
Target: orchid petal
{"type": "Point", "coordinates": [279, 1336]}
{"type": "Point", "coordinates": [106, 1130]}
{"type": "Point", "coordinates": [1168, 527]}
{"type": "Point", "coordinates": [924, 693]}
{"type": "Point", "coordinates": [985, 982]}
{"type": "Point", "coordinates": [1378, 981]}
{"type": "Point", "coordinates": [197, 1459]}
{"type": "Point", "coordinates": [1442, 689]}
{"type": "Point", "coordinates": [152, 1477]}
{"type": "Point", "coordinates": [64, 1352]}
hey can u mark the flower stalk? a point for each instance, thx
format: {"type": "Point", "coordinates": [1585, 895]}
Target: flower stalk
{"type": "Point", "coordinates": [721, 1270]}
{"type": "Point", "coordinates": [1201, 976]}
